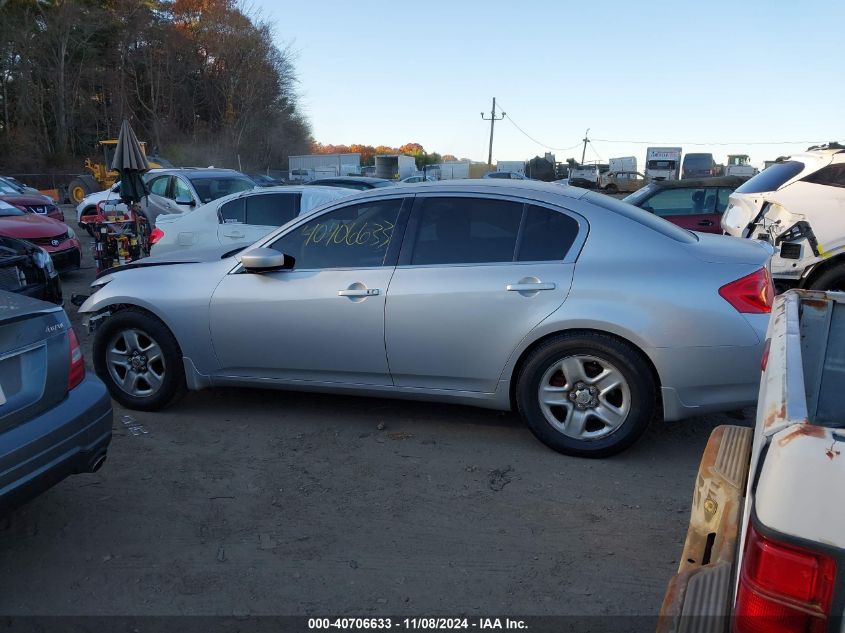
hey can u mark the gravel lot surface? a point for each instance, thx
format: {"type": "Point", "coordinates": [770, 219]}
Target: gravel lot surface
{"type": "Point", "coordinates": [258, 502]}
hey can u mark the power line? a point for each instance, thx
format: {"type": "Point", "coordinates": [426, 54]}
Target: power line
{"type": "Point", "coordinates": [541, 144]}
{"type": "Point", "coordinates": [606, 140]}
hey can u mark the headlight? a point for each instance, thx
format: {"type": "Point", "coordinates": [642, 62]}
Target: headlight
{"type": "Point", "coordinates": [71, 234]}
{"type": "Point", "coordinates": [44, 260]}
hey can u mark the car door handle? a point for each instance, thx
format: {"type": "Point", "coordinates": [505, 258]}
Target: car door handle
{"type": "Point", "coordinates": [706, 223]}
{"type": "Point", "coordinates": [358, 292]}
{"type": "Point", "coordinates": [234, 234]}
{"type": "Point", "coordinates": [530, 287]}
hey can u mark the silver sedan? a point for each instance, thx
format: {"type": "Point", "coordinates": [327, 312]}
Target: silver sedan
{"type": "Point", "coordinates": [585, 314]}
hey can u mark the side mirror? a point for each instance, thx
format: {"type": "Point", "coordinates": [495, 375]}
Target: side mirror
{"type": "Point", "coordinates": [265, 260]}
{"type": "Point", "coordinates": [186, 201]}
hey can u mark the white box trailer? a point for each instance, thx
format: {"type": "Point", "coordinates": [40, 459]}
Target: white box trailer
{"type": "Point", "coordinates": [517, 166]}
{"type": "Point", "coordinates": [663, 163]}
{"type": "Point", "coordinates": [453, 170]}
{"type": "Point", "coordinates": [395, 166]}
{"type": "Point", "coordinates": [625, 163]}
{"type": "Point", "coordinates": [324, 165]}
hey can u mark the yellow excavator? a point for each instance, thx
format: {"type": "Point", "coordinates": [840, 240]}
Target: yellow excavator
{"type": "Point", "coordinates": [101, 176]}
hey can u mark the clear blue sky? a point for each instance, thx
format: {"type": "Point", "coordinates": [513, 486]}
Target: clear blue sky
{"type": "Point", "coordinates": [380, 72]}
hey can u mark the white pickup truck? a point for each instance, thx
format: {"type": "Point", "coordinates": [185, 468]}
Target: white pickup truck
{"type": "Point", "coordinates": [765, 549]}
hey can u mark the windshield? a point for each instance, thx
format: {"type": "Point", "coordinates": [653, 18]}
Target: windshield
{"type": "Point", "coordinates": [384, 183]}
{"type": "Point", "coordinates": [771, 178]}
{"type": "Point", "coordinates": [209, 189]}
{"type": "Point", "coordinates": [698, 161]}
{"type": "Point", "coordinates": [12, 183]}
{"type": "Point", "coordinates": [661, 164]}
{"type": "Point", "coordinates": [7, 188]}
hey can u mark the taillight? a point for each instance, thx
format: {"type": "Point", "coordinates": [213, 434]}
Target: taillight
{"type": "Point", "coordinates": [77, 362]}
{"type": "Point", "coordinates": [782, 588]}
{"type": "Point", "coordinates": [156, 235]}
{"type": "Point", "coordinates": [753, 294]}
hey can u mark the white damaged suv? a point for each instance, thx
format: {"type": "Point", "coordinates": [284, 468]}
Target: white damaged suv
{"type": "Point", "coordinates": [797, 205]}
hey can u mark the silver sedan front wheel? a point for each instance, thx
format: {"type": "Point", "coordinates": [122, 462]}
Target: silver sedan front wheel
{"type": "Point", "coordinates": [584, 397]}
{"type": "Point", "coordinates": [136, 363]}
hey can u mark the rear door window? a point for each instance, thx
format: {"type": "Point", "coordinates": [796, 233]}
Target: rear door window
{"type": "Point", "coordinates": [272, 209]}
{"type": "Point", "coordinates": [682, 201]}
{"type": "Point", "coordinates": [466, 231]}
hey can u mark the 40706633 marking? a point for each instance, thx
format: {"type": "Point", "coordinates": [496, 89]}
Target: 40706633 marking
{"type": "Point", "coordinates": [376, 234]}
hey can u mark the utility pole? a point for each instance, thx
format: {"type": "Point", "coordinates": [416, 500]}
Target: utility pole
{"type": "Point", "coordinates": [586, 140]}
{"type": "Point", "coordinates": [493, 118]}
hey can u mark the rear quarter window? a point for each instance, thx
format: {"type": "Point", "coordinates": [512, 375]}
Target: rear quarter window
{"type": "Point", "coordinates": [655, 223]}
{"type": "Point", "coordinates": [547, 235]}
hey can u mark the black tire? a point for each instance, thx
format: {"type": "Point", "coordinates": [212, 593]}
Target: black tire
{"type": "Point", "coordinates": [80, 187]}
{"type": "Point", "coordinates": [611, 189]}
{"type": "Point", "coordinates": [831, 279]}
{"type": "Point", "coordinates": [172, 384]}
{"type": "Point", "coordinates": [83, 225]}
{"type": "Point", "coordinates": [626, 361]}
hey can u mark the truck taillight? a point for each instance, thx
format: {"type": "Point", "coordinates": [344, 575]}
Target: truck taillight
{"type": "Point", "coordinates": [782, 588]}
{"type": "Point", "coordinates": [76, 373]}
{"type": "Point", "coordinates": [156, 235]}
{"type": "Point", "coordinates": [752, 294]}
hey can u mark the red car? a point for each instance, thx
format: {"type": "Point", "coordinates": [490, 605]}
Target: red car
{"type": "Point", "coordinates": [696, 205]}
{"type": "Point", "coordinates": [55, 237]}
{"type": "Point", "coordinates": [30, 203]}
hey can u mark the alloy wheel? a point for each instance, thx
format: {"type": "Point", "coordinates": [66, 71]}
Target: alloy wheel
{"type": "Point", "coordinates": [135, 363]}
{"type": "Point", "coordinates": [584, 397]}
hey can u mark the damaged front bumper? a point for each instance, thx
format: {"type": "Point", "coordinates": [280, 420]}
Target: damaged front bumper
{"type": "Point", "coordinates": [95, 320]}
{"type": "Point", "coordinates": [698, 597]}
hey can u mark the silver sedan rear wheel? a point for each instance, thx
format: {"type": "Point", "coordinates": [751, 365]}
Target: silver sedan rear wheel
{"type": "Point", "coordinates": [586, 393]}
{"type": "Point", "coordinates": [136, 363]}
{"type": "Point", "coordinates": [584, 397]}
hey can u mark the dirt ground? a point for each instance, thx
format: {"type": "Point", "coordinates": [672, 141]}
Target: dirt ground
{"type": "Point", "coordinates": [240, 502]}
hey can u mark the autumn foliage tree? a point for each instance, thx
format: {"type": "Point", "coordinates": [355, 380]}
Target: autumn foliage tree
{"type": "Point", "coordinates": [201, 81]}
{"type": "Point", "coordinates": [368, 152]}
